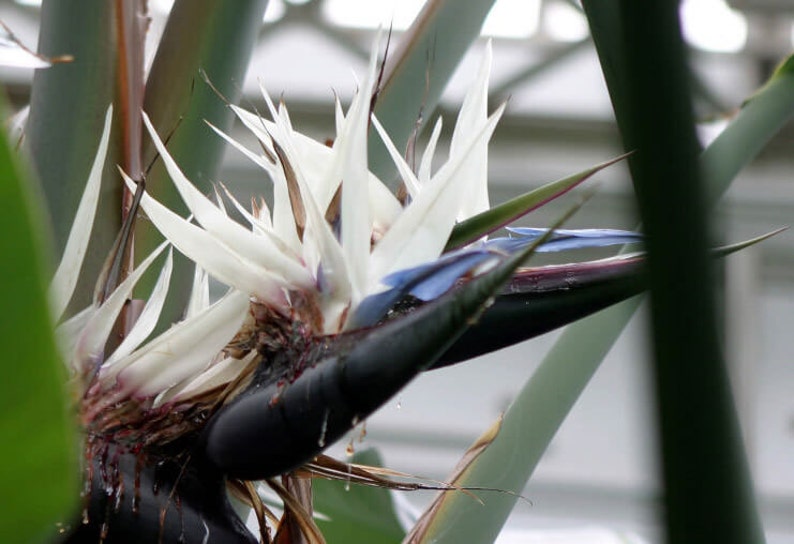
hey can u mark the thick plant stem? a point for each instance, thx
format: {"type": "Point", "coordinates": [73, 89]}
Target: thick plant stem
{"type": "Point", "coordinates": [708, 494]}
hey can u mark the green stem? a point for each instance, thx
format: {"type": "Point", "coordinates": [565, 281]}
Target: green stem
{"type": "Point", "coordinates": [708, 494]}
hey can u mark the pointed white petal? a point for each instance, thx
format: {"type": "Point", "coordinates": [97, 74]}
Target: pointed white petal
{"type": "Point", "coordinates": [472, 114]}
{"type": "Point", "coordinates": [257, 249]}
{"type": "Point", "coordinates": [213, 255]}
{"type": "Point", "coordinates": [218, 375]}
{"type": "Point", "coordinates": [384, 206]}
{"type": "Point", "coordinates": [149, 315]}
{"type": "Point", "coordinates": [339, 115]}
{"type": "Point", "coordinates": [259, 160]}
{"type": "Point", "coordinates": [351, 147]}
{"type": "Point", "coordinates": [259, 227]}
{"type": "Point", "coordinates": [425, 167]}
{"type": "Point", "coordinates": [68, 271]}
{"type": "Point", "coordinates": [96, 331]}
{"type": "Point", "coordinates": [283, 218]}
{"type": "Point", "coordinates": [219, 201]}
{"type": "Point", "coordinates": [68, 332]}
{"type": "Point", "coordinates": [199, 294]}
{"type": "Point", "coordinates": [421, 232]}
{"type": "Point", "coordinates": [319, 243]}
{"type": "Point", "coordinates": [317, 162]}
{"type": "Point", "coordinates": [406, 174]}
{"type": "Point", "coordinates": [182, 351]}
{"type": "Point", "coordinates": [261, 211]}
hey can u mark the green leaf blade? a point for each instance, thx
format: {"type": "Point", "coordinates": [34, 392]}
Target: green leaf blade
{"type": "Point", "coordinates": [499, 216]}
{"type": "Point", "coordinates": [38, 469]}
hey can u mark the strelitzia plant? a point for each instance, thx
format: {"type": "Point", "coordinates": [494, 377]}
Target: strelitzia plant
{"type": "Point", "coordinates": [337, 299]}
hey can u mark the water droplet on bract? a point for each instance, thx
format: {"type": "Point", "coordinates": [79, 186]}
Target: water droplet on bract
{"type": "Point", "coordinates": [350, 449]}
{"type": "Point", "coordinates": [399, 404]}
{"type": "Point", "coordinates": [85, 519]}
{"type": "Point", "coordinates": [323, 429]}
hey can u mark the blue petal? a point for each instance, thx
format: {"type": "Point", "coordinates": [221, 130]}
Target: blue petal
{"type": "Point", "coordinates": [425, 282]}
{"type": "Point", "coordinates": [444, 276]}
{"type": "Point", "coordinates": [563, 239]}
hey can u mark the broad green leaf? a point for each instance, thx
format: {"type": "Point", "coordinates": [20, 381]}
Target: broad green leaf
{"type": "Point", "coordinates": [578, 352]}
{"type": "Point", "coordinates": [67, 113]}
{"type": "Point", "coordinates": [356, 514]}
{"type": "Point", "coordinates": [418, 69]}
{"type": "Point", "coordinates": [760, 118]}
{"type": "Point", "coordinates": [488, 221]}
{"type": "Point", "coordinates": [38, 469]}
{"type": "Point", "coordinates": [527, 429]}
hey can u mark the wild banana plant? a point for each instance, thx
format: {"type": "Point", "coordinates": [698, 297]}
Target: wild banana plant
{"type": "Point", "coordinates": [340, 290]}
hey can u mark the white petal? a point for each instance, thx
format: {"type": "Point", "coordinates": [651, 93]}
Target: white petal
{"type": "Point", "coordinates": [259, 227]}
{"type": "Point", "coordinates": [219, 374]}
{"type": "Point", "coordinates": [283, 218]}
{"type": "Point", "coordinates": [384, 206]}
{"type": "Point", "coordinates": [317, 162]}
{"type": "Point", "coordinates": [68, 332]}
{"type": "Point", "coordinates": [339, 115]}
{"type": "Point", "coordinates": [421, 232]}
{"type": "Point", "coordinates": [473, 114]}
{"type": "Point", "coordinates": [351, 147]}
{"type": "Point", "coordinates": [68, 271]}
{"type": "Point", "coordinates": [149, 315]}
{"type": "Point", "coordinates": [426, 165]}
{"type": "Point", "coordinates": [182, 351]}
{"type": "Point", "coordinates": [319, 243]}
{"type": "Point", "coordinates": [407, 175]}
{"type": "Point", "coordinates": [213, 255]}
{"type": "Point", "coordinates": [219, 201]}
{"type": "Point", "coordinates": [256, 159]}
{"type": "Point", "coordinates": [257, 249]}
{"type": "Point", "coordinates": [199, 294]}
{"type": "Point", "coordinates": [96, 332]}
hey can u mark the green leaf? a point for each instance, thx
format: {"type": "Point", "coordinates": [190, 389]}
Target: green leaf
{"type": "Point", "coordinates": [760, 118]}
{"type": "Point", "coordinates": [488, 221]}
{"type": "Point", "coordinates": [67, 112]}
{"type": "Point", "coordinates": [358, 514]}
{"type": "Point", "coordinates": [419, 68]}
{"type": "Point", "coordinates": [527, 429]}
{"type": "Point", "coordinates": [38, 469]}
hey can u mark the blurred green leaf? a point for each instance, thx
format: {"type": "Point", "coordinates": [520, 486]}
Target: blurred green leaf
{"type": "Point", "coordinates": [527, 429]}
{"type": "Point", "coordinates": [38, 469]}
{"type": "Point", "coordinates": [696, 416]}
{"type": "Point", "coordinates": [419, 68]}
{"type": "Point", "coordinates": [358, 514]}
{"type": "Point", "coordinates": [67, 111]}
{"type": "Point", "coordinates": [760, 118]}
